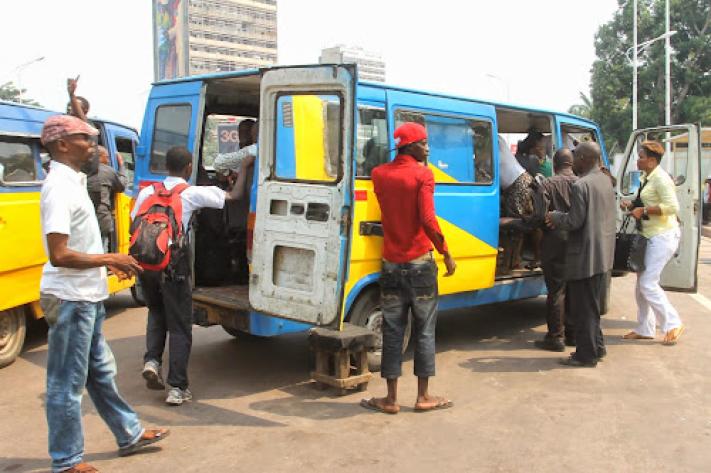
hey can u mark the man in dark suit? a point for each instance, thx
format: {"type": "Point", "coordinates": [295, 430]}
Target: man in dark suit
{"type": "Point", "coordinates": [553, 252]}
{"type": "Point", "coordinates": [591, 246]}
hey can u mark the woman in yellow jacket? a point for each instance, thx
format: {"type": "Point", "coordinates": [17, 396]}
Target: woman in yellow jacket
{"type": "Point", "coordinates": [658, 213]}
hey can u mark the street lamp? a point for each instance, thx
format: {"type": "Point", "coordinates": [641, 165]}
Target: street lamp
{"type": "Point", "coordinates": [635, 63]}
{"type": "Point", "coordinates": [19, 70]}
{"type": "Point", "coordinates": [503, 81]}
{"type": "Point", "coordinates": [636, 49]}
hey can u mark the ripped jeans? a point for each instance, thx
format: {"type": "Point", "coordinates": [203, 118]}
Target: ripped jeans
{"type": "Point", "coordinates": [408, 288]}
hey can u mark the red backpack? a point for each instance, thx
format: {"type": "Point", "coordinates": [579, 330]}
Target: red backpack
{"type": "Point", "coordinates": [157, 228]}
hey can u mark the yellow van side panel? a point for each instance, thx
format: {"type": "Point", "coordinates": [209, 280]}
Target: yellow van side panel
{"type": "Point", "coordinates": [476, 260]}
{"type": "Point", "coordinates": [309, 138]}
{"type": "Point", "coordinates": [22, 254]}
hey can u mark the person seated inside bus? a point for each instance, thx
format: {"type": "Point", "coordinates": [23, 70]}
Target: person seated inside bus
{"type": "Point", "coordinates": [517, 196]}
{"type": "Point", "coordinates": [18, 168]}
{"type": "Point", "coordinates": [531, 154]}
{"type": "Point", "coordinates": [226, 163]}
{"type": "Point", "coordinates": [375, 153]}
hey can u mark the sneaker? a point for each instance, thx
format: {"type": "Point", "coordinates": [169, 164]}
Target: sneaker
{"type": "Point", "coordinates": [177, 396]}
{"type": "Point", "coordinates": [151, 373]}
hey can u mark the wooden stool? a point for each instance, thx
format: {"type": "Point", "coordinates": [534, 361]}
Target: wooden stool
{"type": "Point", "coordinates": [333, 350]}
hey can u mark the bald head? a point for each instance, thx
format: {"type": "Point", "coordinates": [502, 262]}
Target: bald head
{"type": "Point", "coordinates": [587, 156]}
{"type": "Point", "coordinates": [562, 159]}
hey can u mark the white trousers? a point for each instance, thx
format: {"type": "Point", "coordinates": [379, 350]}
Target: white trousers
{"type": "Point", "coordinates": [652, 303]}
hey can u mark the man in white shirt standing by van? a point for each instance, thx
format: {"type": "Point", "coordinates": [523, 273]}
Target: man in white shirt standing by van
{"type": "Point", "coordinates": [73, 287]}
{"type": "Point", "coordinates": [168, 293]}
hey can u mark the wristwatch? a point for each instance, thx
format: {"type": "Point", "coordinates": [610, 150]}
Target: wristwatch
{"type": "Point", "coordinates": [645, 212]}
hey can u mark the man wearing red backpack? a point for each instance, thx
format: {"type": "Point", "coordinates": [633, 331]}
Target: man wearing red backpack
{"type": "Point", "coordinates": [163, 212]}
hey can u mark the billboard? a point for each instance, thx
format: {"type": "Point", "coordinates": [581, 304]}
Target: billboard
{"type": "Point", "coordinates": [227, 138]}
{"type": "Point", "coordinates": [170, 39]}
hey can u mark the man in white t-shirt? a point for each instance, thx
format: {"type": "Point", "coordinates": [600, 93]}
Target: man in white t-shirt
{"type": "Point", "coordinates": [168, 293]}
{"type": "Point", "coordinates": [73, 287]}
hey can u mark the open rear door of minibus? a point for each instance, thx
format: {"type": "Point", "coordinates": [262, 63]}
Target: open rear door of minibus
{"type": "Point", "coordinates": [683, 162]}
{"type": "Point", "coordinates": [304, 204]}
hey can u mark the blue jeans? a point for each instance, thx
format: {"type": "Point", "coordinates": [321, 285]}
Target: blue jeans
{"type": "Point", "coordinates": [78, 357]}
{"type": "Point", "coordinates": [408, 288]}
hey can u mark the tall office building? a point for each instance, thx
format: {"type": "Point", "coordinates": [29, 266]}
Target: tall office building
{"type": "Point", "coordinates": [226, 35]}
{"type": "Point", "coordinates": [201, 36]}
{"type": "Point", "coordinates": [370, 65]}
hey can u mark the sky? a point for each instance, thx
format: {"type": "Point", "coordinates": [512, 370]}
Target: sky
{"type": "Point", "coordinates": [519, 51]}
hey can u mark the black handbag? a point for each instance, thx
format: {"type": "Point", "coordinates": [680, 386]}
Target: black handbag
{"type": "Point", "coordinates": [630, 249]}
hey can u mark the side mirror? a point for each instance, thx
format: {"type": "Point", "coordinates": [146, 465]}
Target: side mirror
{"type": "Point", "coordinates": [679, 180]}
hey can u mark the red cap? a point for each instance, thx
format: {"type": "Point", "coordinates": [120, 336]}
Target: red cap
{"type": "Point", "coordinates": [408, 133]}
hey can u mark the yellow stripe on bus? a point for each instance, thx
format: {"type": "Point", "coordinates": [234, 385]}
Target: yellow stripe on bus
{"type": "Point", "coordinates": [309, 138]}
{"type": "Point", "coordinates": [439, 175]}
{"type": "Point", "coordinates": [476, 260]}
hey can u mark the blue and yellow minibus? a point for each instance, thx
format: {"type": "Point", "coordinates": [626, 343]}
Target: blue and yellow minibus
{"type": "Point", "coordinates": [312, 227]}
{"type": "Point", "coordinates": [21, 253]}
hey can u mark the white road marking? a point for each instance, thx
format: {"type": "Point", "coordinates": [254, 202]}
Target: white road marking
{"type": "Point", "coordinates": [701, 299]}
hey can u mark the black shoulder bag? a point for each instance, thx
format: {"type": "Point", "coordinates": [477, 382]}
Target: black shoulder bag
{"type": "Point", "coordinates": [630, 248]}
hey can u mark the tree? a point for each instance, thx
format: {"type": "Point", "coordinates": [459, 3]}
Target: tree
{"type": "Point", "coordinates": [9, 92]}
{"type": "Point", "coordinates": [611, 82]}
{"type": "Point", "coordinates": [584, 109]}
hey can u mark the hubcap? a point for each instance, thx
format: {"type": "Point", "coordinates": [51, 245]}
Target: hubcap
{"type": "Point", "coordinates": [375, 323]}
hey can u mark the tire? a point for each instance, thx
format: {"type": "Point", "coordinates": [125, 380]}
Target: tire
{"type": "Point", "coordinates": [240, 334]}
{"type": "Point", "coordinates": [12, 334]}
{"type": "Point", "coordinates": [366, 313]}
{"type": "Point", "coordinates": [137, 293]}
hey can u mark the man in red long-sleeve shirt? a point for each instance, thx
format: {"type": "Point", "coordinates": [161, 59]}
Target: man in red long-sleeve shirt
{"type": "Point", "coordinates": [408, 280]}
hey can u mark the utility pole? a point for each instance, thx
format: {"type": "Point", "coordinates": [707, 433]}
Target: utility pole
{"type": "Point", "coordinates": [634, 65]}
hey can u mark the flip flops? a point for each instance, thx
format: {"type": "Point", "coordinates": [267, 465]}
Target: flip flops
{"type": "Point", "coordinates": [370, 404]}
{"type": "Point", "coordinates": [636, 336]}
{"type": "Point", "coordinates": [149, 436]}
{"type": "Point", "coordinates": [441, 404]}
{"type": "Point", "coordinates": [672, 336]}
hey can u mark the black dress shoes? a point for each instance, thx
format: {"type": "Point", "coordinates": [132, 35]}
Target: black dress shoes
{"type": "Point", "coordinates": [550, 344]}
{"type": "Point", "coordinates": [575, 363]}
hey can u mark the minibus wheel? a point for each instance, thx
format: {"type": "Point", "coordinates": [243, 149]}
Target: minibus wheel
{"type": "Point", "coordinates": [241, 334]}
{"type": "Point", "coordinates": [12, 334]}
{"type": "Point", "coordinates": [366, 313]}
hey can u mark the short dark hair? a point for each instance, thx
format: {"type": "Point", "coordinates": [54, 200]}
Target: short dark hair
{"type": "Point", "coordinates": [177, 159]}
{"type": "Point", "coordinates": [84, 102]}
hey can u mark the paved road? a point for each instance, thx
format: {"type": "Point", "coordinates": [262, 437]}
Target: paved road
{"type": "Point", "coordinates": [646, 408]}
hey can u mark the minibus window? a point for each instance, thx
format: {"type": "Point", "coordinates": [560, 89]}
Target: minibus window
{"type": "Point", "coordinates": [308, 138]}
{"type": "Point", "coordinates": [172, 125]}
{"type": "Point", "coordinates": [124, 147]}
{"type": "Point", "coordinates": [220, 136]}
{"type": "Point", "coordinates": [572, 136]}
{"type": "Point", "coordinates": [460, 148]}
{"type": "Point", "coordinates": [17, 162]}
{"type": "Point", "coordinates": [372, 143]}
